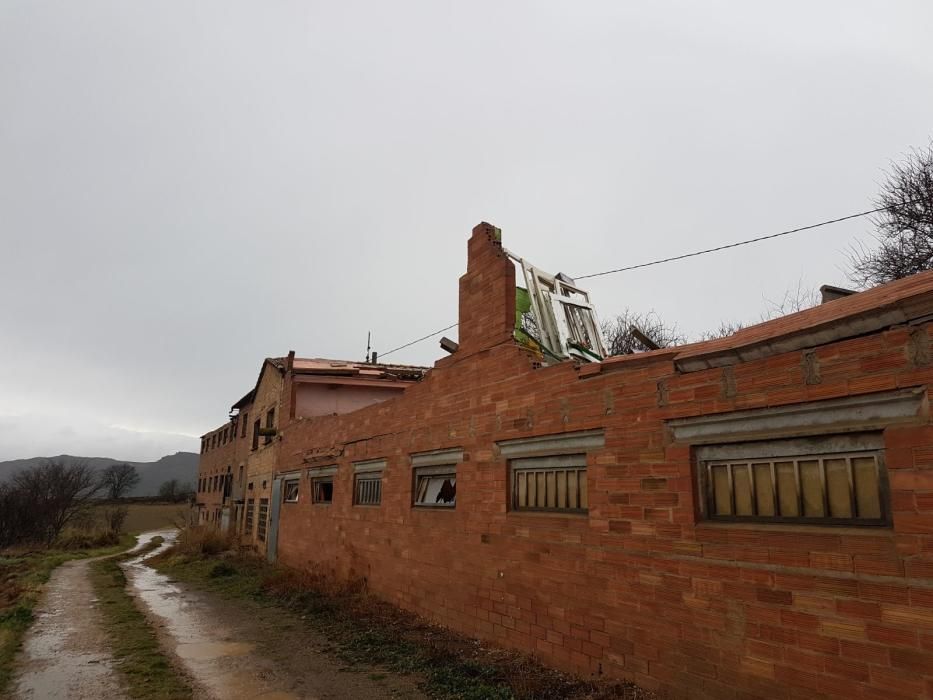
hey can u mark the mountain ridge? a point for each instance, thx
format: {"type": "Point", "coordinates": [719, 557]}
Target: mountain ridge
{"type": "Point", "coordinates": [182, 466]}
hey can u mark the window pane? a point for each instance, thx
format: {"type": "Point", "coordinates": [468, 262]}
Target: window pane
{"type": "Point", "coordinates": [722, 495]}
{"type": "Point", "coordinates": [764, 490]}
{"type": "Point", "coordinates": [837, 487]}
{"type": "Point", "coordinates": [550, 497]}
{"type": "Point", "coordinates": [522, 490]}
{"type": "Point", "coordinates": [787, 489]}
{"type": "Point", "coordinates": [742, 485]}
{"type": "Point", "coordinates": [582, 489]}
{"type": "Point", "coordinates": [811, 484]}
{"type": "Point", "coordinates": [573, 489]}
{"type": "Point", "coordinates": [437, 489]}
{"type": "Point", "coordinates": [867, 491]}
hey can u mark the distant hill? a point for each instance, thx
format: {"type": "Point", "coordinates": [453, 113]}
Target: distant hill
{"type": "Point", "coordinates": [181, 465]}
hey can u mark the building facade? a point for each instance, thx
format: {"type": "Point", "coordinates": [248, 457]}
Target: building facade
{"type": "Point", "coordinates": [744, 517]}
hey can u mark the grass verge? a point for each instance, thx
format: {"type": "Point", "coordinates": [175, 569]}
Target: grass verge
{"type": "Point", "coordinates": [146, 669]}
{"type": "Point", "coordinates": [371, 633]}
{"type": "Point", "coordinates": [22, 576]}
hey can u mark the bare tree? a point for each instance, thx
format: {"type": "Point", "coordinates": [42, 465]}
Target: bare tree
{"type": "Point", "coordinates": [55, 495]}
{"type": "Point", "coordinates": [118, 480]}
{"type": "Point", "coordinates": [904, 228]}
{"type": "Point", "coordinates": [725, 329]}
{"type": "Point", "coordinates": [169, 490]}
{"type": "Point", "coordinates": [621, 338]}
{"type": "Point", "coordinates": [794, 300]}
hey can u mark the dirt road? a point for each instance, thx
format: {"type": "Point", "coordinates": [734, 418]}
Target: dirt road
{"type": "Point", "coordinates": [237, 650]}
{"type": "Point", "coordinates": [65, 652]}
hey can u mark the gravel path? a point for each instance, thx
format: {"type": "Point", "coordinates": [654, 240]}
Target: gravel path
{"type": "Point", "coordinates": [65, 652]}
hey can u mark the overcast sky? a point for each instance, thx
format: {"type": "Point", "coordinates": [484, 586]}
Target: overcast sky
{"type": "Point", "coordinates": [188, 187]}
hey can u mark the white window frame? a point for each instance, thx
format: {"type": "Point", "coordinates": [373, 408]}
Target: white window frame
{"type": "Point", "coordinates": [290, 483]}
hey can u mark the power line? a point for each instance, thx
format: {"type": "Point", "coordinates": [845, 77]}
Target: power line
{"type": "Point", "coordinates": [734, 245]}
{"type": "Point", "coordinates": [429, 335]}
{"type": "Point", "coordinates": [687, 255]}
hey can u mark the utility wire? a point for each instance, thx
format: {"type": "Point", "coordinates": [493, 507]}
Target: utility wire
{"type": "Point", "coordinates": [687, 255]}
{"type": "Point", "coordinates": [736, 245]}
{"type": "Point", "coordinates": [429, 335]}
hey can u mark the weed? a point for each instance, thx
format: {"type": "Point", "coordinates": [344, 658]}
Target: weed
{"type": "Point", "coordinates": [140, 660]}
{"type": "Point", "coordinates": [222, 569]}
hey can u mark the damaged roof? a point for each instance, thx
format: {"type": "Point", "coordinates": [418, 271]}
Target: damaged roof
{"type": "Point", "coordinates": [336, 368]}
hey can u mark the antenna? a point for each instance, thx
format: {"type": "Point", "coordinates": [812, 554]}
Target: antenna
{"type": "Point", "coordinates": [368, 334]}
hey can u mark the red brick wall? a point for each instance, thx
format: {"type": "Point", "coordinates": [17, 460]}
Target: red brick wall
{"type": "Point", "coordinates": [637, 588]}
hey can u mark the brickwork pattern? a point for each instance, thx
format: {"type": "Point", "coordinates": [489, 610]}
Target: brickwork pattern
{"type": "Point", "coordinates": [637, 588]}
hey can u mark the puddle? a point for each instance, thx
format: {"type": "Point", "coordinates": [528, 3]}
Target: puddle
{"type": "Point", "coordinates": [210, 654]}
{"type": "Point", "coordinates": [212, 650]}
{"type": "Point", "coordinates": [65, 653]}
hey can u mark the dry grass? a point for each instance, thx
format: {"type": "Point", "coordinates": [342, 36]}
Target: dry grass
{"type": "Point", "coordinates": [202, 540]}
{"type": "Point", "coordinates": [143, 517]}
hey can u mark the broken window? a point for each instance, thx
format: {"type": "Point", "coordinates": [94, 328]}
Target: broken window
{"type": "Point", "coordinates": [813, 480]}
{"type": "Point", "coordinates": [244, 423]}
{"type": "Point", "coordinates": [263, 519]}
{"type": "Point", "coordinates": [256, 427]}
{"type": "Point", "coordinates": [555, 483]}
{"type": "Point", "coordinates": [250, 507]}
{"type": "Point", "coordinates": [436, 486]}
{"type": "Point", "coordinates": [290, 491]}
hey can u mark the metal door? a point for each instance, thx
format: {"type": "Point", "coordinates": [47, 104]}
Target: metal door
{"type": "Point", "coordinates": [272, 537]}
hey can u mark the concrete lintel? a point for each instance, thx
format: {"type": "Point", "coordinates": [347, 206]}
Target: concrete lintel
{"type": "Point", "coordinates": [437, 457]}
{"type": "Point", "coordinates": [316, 472]}
{"type": "Point", "coordinates": [369, 465]}
{"type": "Point", "coordinates": [580, 441]}
{"type": "Point", "coordinates": [864, 412]}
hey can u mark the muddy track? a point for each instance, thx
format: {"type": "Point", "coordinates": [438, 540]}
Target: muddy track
{"type": "Point", "coordinates": [65, 653]}
{"type": "Point", "coordinates": [235, 650]}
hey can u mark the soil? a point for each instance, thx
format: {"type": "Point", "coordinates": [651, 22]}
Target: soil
{"type": "Point", "coordinates": [65, 651]}
{"type": "Point", "coordinates": [239, 649]}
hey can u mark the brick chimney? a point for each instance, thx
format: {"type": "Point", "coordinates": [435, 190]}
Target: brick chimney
{"type": "Point", "coordinates": [487, 293]}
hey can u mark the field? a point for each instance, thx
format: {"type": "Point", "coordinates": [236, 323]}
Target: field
{"type": "Point", "coordinates": [154, 516]}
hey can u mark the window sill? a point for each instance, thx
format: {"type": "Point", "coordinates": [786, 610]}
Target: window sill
{"type": "Point", "coordinates": [574, 515]}
{"type": "Point", "coordinates": [778, 528]}
{"type": "Point", "coordinates": [322, 504]}
{"type": "Point", "coordinates": [428, 508]}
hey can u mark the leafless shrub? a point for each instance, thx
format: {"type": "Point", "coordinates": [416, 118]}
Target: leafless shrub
{"type": "Point", "coordinates": [621, 340]}
{"type": "Point", "coordinates": [39, 503]}
{"type": "Point", "coordinates": [115, 517]}
{"type": "Point", "coordinates": [904, 229]}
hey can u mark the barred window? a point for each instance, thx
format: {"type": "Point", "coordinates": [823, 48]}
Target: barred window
{"type": "Point", "coordinates": [250, 507]}
{"type": "Point", "coordinates": [263, 519]}
{"type": "Point", "coordinates": [556, 483]}
{"type": "Point", "coordinates": [367, 482]}
{"type": "Point", "coordinates": [290, 491]}
{"type": "Point", "coordinates": [797, 481]}
{"type": "Point", "coordinates": [322, 490]}
{"type": "Point", "coordinates": [368, 489]}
